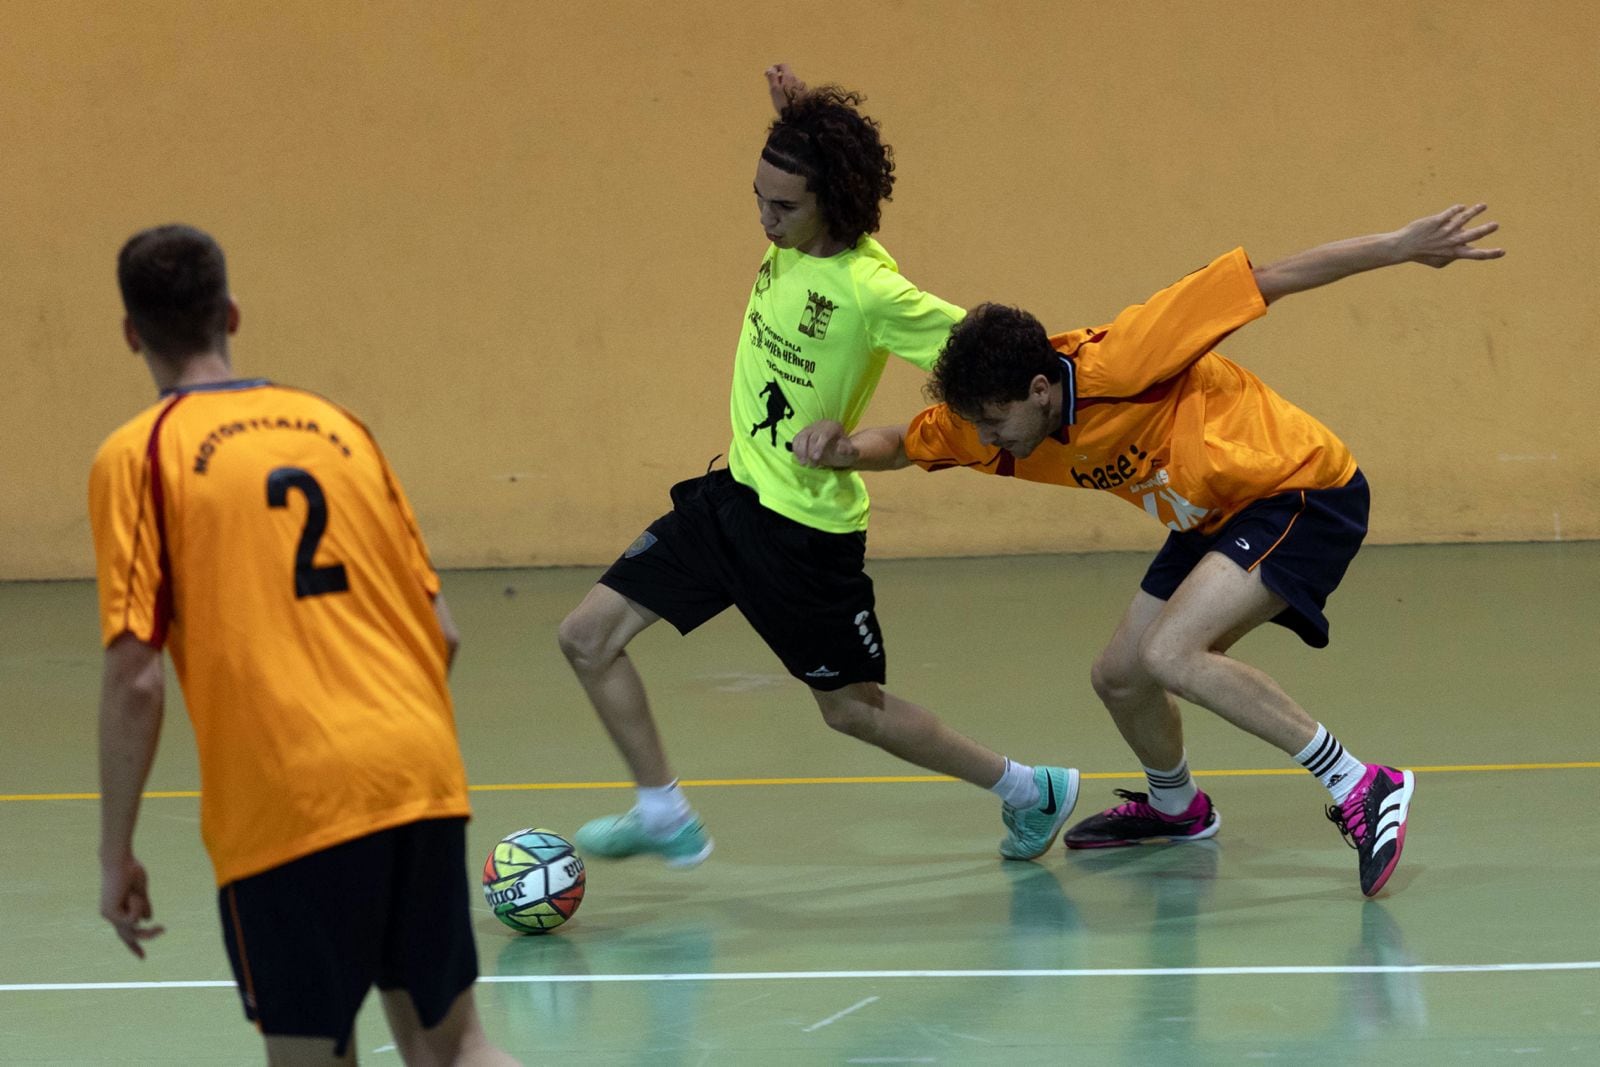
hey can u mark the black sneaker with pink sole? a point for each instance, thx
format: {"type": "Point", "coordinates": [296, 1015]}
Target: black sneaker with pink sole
{"type": "Point", "coordinates": [1135, 822]}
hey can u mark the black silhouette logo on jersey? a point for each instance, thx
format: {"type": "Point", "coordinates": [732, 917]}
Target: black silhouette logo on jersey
{"type": "Point", "coordinates": [778, 409]}
{"type": "Point", "coordinates": [764, 278]}
{"type": "Point", "coordinates": [814, 320]}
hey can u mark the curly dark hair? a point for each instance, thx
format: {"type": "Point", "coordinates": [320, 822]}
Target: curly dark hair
{"type": "Point", "coordinates": [990, 358]}
{"type": "Point", "coordinates": [174, 283]}
{"type": "Point", "coordinates": [823, 138]}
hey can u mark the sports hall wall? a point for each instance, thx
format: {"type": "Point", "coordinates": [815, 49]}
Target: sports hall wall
{"type": "Point", "coordinates": [517, 237]}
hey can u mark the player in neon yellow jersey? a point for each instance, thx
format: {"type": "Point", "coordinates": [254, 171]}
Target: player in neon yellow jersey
{"type": "Point", "coordinates": [782, 541]}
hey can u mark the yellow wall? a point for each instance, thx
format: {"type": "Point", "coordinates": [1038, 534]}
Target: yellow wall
{"type": "Point", "coordinates": [517, 237]}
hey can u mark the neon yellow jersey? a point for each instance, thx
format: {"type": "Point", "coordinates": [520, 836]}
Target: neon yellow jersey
{"type": "Point", "coordinates": [816, 336]}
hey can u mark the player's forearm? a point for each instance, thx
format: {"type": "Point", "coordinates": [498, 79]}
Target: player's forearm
{"type": "Point", "coordinates": [880, 448]}
{"type": "Point", "coordinates": [1327, 263]}
{"type": "Point", "coordinates": [131, 705]}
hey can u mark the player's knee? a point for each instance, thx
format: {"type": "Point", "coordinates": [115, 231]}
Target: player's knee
{"type": "Point", "coordinates": [583, 641]}
{"type": "Point", "coordinates": [1120, 680]}
{"type": "Point", "coordinates": [1112, 680]}
{"type": "Point", "coordinates": [851, 710]}
{"type": "Point", "coordinates": [1167, 661]}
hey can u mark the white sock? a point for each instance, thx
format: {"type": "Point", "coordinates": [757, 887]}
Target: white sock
{"type": "Point", "coordinates": [1016, 786]}
{"type": "Point", "coordinates": [1336, 769]}
{"type": "Point", "coordinates": [663, 809]}
{"type": "Point", "coordinates": [1171, 792]}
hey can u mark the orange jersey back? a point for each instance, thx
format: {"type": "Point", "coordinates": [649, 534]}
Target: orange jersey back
{"type": "Point", "coordinates": [258, 533]}
{"type": "Point", "coordinates": [1158, 418]}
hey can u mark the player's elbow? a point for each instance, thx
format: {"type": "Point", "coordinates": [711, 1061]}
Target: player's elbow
{"type": "Point", "coordinates": [134, 675]}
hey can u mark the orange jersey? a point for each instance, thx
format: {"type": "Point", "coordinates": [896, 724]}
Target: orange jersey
{"type": "Point", "coordinates": [1153, 415]}
{"type": "Point", "coordinates": [258, 533]}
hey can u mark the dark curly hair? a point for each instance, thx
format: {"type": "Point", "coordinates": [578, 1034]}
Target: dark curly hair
{"type": "Point", "coordinates": [174, 284]}
{"type": "Point", "coordinates": [823, 138]}
{"type": "Point", "coordinates": [990, 358]}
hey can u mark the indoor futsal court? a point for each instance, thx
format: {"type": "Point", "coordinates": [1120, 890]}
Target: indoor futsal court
{"type": "Point", "coordinates": [516, 238]}
{"type": "Point", "coordinates": [856, 913]}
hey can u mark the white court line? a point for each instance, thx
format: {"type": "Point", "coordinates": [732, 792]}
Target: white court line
{"type": "Point", "coordinates": [779, 976]}
{"type": "Point", "coordinates": [836, 1016]}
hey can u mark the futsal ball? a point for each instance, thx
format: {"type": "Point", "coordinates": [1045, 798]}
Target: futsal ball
{"type": "Point", "coordinates": [533, 880]}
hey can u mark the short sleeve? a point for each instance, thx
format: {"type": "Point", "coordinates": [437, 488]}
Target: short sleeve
{"type": "Point", "coordinates": [417, 549]}
{"type": "Point", "coordinates": [938, 440]}
{"type": "Point", "coordinates": [905, 320]}
{"type": "Point", "coordinates": [1156, 340]}
{"type": "Point", "coordinates": [127, 544]}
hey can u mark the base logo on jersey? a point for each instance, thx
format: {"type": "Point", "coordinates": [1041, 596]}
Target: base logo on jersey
{"type": "Point", "coordinates": [814, 320]}
{"type": "Point", "coordinates": [778, 409]}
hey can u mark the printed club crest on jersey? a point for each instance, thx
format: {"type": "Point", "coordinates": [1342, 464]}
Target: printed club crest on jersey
{"type": "Point", "coordinates": [764, 278]}
{"type": "Point", "coordinates": [814, 320]}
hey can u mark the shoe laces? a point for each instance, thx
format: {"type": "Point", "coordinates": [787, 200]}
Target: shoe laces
{"type": "Point", "coordinates": [1136, 803]}
{"type": "Point", "coordinates": [1351, 818]}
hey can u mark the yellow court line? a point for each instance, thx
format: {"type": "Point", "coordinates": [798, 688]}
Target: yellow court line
{"type": "Point", "coordinates": [522, 787]}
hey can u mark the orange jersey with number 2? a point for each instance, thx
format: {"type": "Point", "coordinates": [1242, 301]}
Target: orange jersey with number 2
{"type": "Point", "coordinates": [258, 533]}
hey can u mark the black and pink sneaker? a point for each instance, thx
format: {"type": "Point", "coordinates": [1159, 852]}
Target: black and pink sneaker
{"type": "Point", "coordinates": [1135, 822]}
{"type": "Point", "coordinates": [1373, 821]}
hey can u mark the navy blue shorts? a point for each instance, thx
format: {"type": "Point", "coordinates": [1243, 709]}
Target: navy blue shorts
{"type": "Point", "coordinates": [307, 939]}
{"type": "Point", "coordinates": [1301, 542]}
{"type": "Point", "coordinates": [804, 590]}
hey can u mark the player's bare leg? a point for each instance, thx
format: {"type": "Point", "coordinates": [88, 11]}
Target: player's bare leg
{"type": "Point", "coordinates": [1140, 705]}
{"type": "Point", "coordinates": [594, 638]}
{"type": "Point", "coordinates": [1143, 708]}
{"type": "Point", "coordinates": [1183, 651]}
{"type": "Point", "coordinates": [1036, 801]}
{"type": "Point", "coordinates": [458, 1039]}
{"type": "Point", "coordinates": [307, 1052]}
{"type": "Point", "coordinates": [1144, 712]}
{"type": "Point", "coordinates": [868, 712]}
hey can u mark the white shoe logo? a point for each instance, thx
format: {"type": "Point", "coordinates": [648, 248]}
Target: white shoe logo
{"type": "Point", "coordinates": [822, 672]}
{"type": "Point", "coordinates": [1391, 813]}
{"type": "Point", "coordinates": [1242, 543]}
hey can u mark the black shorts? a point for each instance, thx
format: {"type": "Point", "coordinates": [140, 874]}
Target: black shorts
{"type": "Point", "coordinates": [1301, 542]}
{"type": "Point", "coordinates": [308, 939]}
{"type": "Point", "coordinates": [805, 591]}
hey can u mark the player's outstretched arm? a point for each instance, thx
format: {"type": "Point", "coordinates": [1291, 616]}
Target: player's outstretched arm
{"type": "Point", "coordinates": [1436, 240]}
{"type": "Point", "coordinates": [825, 444]}
{"type": "Point", "coordinates": [132, 691]}
{"type": "Point", "coordinates": [783, 85]}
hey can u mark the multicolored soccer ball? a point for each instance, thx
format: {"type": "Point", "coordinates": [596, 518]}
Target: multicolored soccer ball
{"type": "Point", "coordinates": [533, 880]}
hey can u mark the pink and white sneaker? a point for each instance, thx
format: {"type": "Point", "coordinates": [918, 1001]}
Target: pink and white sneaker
{"type": "Point", "coordinates": [1373, 822]}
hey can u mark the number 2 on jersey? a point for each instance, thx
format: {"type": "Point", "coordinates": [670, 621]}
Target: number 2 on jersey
{"type": "Point", "coordinates": [309, 579]}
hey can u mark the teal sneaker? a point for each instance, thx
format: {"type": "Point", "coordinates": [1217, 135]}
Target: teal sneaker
{"type": "Point", "coordinates": [1034, 830]}
{"type": "Point", "coordinates": [620, 836]}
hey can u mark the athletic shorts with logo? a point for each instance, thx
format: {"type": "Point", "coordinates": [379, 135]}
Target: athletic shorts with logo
{"type": "Point", "coordinates": [805, 591]}
{"type": "Point", "coordinates": [1301, 542]}
{"type": "Point", "coordinates": [309, 938]}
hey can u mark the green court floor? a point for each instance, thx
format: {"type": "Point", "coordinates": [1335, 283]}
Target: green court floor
{"type": "Point", "coordinates": [855, 911]}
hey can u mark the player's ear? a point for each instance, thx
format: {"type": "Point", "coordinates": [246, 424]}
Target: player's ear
{"type": "Point", "coordinates": [233, 317]}
{"type": "Point", "coordinates": [1039, 389]}
{"type": "Point", "coordinates": [131, 335]}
